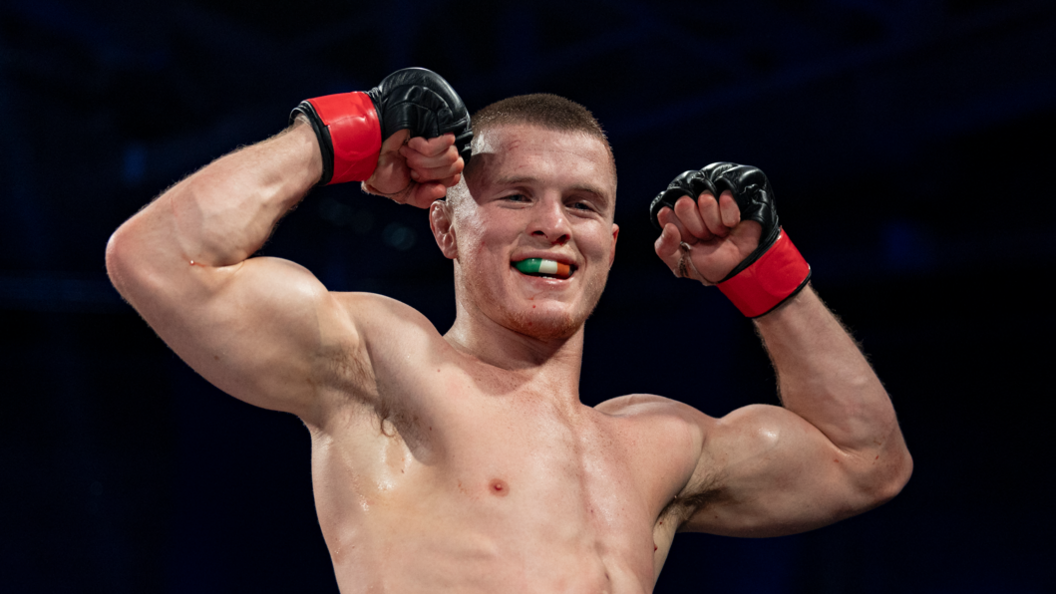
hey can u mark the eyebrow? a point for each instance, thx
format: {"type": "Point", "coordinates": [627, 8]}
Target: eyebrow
{"type": "Point", "coordinates": [527, 179]}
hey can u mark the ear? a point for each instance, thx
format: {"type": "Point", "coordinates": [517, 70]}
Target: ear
{"type": "Point", "coordinates": [443, 230]}
{"type": "Point", "coordinates": [615, 234]}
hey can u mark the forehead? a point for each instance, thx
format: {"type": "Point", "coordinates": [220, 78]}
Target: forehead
{"type": "Point", "coordinates": [525, 151]}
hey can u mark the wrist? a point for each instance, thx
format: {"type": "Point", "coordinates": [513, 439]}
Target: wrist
{"type": "Point", "coordinates": [348, 135]}
{"type": "Point", "coordinates": [774, 277]}
{"type": "Point", "coordinates": [307, 145]}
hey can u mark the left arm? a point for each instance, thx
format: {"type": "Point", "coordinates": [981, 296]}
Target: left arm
{"type": "Point", "coordinates": [825, 379]}
{"type": "Point", "coordinates": [834, 450]}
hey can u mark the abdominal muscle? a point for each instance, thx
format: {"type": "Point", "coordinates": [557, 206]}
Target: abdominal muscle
{"type": "Point", "coordinates": [533, 505]}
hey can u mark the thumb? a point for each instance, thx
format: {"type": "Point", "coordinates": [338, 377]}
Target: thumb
{"type": "Point", "coordinates": [395, 141]}
{"type": "Point", "coordinates": [667, 246]}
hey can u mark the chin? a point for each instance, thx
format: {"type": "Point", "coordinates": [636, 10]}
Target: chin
{"type": "Point", "coordinates": [553, 321]}
{"type": "Point", "coordinates": [541, 319]}
{"type": "Point", "coordinates": [546, 327]}
{"type": "Point", "coordinates": [562, 321]}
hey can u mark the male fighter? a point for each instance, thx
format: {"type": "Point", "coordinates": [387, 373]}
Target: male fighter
{"type": "Point", "coordinates": [465, 462]}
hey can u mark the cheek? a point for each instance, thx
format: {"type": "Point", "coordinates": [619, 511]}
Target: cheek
{"type": "Point", "coordinates": [483, 259]}
{"type": "Point", "coordinates": [598, 245]}
{"type": "Point", "coordinates": [475, 231]}
{"type": "Point", "coordinates": [484, 249]}
{"type": "Point", "coordinates": [487, 241]}
{"type": "Point", "coordinates": [470, 243]}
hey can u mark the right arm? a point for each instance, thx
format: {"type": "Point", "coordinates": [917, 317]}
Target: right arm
{"type": "Point", "coordinates": [265, 330]}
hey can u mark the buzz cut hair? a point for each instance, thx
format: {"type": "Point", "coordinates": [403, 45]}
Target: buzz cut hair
{"type": "Point", "coordinates": [539, 109]}
{"type": "Point", "coordinates": [546, 111]}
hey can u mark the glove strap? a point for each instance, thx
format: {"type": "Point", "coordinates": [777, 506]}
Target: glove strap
{"type": "Point", "coordinates": [776, 276]}
{"type": "Point", "coordinates": [350, 126]}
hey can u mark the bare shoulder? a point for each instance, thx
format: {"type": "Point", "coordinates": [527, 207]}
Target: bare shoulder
{"type": "Point", "coordinates": [390, 334]}
{"type": "Point", "coordinates": [705, 453]}
{"type": "Point", "coordinates": [661, 437]}
{"type": "Point", "coordinates": [661, 426]}
{"type": "Point", "coordinates": [745, 426]}
{"type": "Point", "coordinates": [373, 338]}
{"type": "Point", "coordinates": [382, 321]}
{"type": "Point", "coordinates": [650, 408]}
{"type": "Point", "coordinates": [658, 425]}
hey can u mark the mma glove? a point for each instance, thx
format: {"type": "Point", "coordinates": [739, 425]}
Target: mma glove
{"type": "Point", "coordinates": [350, 127]}
{"type": "Point", "coordinates": [775, 271]}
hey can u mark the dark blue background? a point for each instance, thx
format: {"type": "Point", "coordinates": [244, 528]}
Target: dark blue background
{"type": "Point", "coordinates": [910, 144]}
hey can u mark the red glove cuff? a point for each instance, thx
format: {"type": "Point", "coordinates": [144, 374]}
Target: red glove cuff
{"type": "Point", "coordinates": [355, 133]}
{"type": "Point", "coordinates": [776, 276]}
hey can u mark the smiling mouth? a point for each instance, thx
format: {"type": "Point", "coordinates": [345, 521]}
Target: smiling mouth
{"type": "Point", "coordinates": [544, 268]}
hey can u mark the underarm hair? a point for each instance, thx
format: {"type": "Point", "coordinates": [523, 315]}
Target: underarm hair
{"type": "Point", "coordinates": [685, 506]}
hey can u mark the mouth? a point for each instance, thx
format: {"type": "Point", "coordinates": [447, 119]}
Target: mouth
{"type": "Point", "coordinates": [545, 268]}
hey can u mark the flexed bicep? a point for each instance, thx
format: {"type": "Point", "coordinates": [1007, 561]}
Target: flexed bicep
{"type": "Point", "coordinates": [251, 326]}
{"type": "Point", "coordinates": [765, 471]}
{"type": "Point", "coordinates": [267, 332]}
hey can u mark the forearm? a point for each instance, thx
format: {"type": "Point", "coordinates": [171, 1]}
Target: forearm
{"type": "Point", "coordinates": [220, 215]}
{"type": "Point", "coordinates": [825, 379]}
{"type": "Point", "coordinates": [225, 212]}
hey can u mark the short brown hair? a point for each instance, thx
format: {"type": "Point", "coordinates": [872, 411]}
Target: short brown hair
{"type": "Point", "coordinates": [543, 110]}
{"type": "Point", "coordinates": [540, 109]}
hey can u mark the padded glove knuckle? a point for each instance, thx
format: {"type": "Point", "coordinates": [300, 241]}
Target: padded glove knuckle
{"type": "Point", "coordinates": [423, 102]}
{"type": "Point", "coordinates": [748, 185]}
{"type": "Point", "coordinates": [766, 282]}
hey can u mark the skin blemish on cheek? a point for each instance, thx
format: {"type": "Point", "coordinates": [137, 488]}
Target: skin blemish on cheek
{"type": "Point", "coordinates": [499, 488]}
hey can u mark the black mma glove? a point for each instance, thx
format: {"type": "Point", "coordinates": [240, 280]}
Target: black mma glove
{"type": "Point", "coordinates": [775, 270]}
{"type": "Point", "coordinates": [350, 127]}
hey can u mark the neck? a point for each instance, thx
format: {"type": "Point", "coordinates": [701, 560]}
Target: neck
{"type": "Point", "coordinates": [552, 364]}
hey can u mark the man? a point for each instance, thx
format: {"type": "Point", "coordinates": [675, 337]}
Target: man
{"type": "Point", "coordinates": [465, 461]}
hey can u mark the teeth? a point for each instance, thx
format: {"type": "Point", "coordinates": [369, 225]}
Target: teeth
{"type": "Point", "coordinates": [540, 266]}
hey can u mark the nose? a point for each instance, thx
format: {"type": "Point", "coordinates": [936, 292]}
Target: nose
{"type": "Point", "coordinates": [550, 222]}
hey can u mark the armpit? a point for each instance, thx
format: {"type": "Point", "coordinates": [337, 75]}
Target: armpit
{"type": "Point", "coordinates": [693, 500]}
{"type": "Point", "coordinates": [347, 370]}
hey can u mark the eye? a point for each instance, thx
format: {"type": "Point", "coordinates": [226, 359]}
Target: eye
{"type": "Point", "coordinates": [516, 198]}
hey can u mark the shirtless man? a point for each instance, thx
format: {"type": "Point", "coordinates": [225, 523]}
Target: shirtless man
{"type": "Point", "coordinates": [465, 462]}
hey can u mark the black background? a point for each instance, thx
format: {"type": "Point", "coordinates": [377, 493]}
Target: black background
{"type": "Point", "coordinates": [910, 145]}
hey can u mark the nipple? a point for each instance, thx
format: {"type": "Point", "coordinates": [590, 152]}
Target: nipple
{"type": "Point", "coordinates": [499, 488]}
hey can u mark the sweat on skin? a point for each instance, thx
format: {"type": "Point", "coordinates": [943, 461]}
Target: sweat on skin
{"type": "Point", "coordinates": [484, 422]}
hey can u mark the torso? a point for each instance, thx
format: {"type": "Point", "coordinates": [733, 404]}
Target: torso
{"type": "Point", "coordinates": [471, 478]}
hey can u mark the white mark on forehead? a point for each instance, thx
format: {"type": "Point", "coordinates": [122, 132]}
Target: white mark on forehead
{"type": "Point", "coordinates": [531, 153]}
{"type": "Point", "coordinates": [514, 136]}
{"type": "Point", "coordinates": [482, 143]}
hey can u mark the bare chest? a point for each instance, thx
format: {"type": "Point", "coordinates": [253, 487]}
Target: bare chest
{"type": "Point", "coordinates": [501, 456]}
{"type": "Point", "coordinates": [498, 482]}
